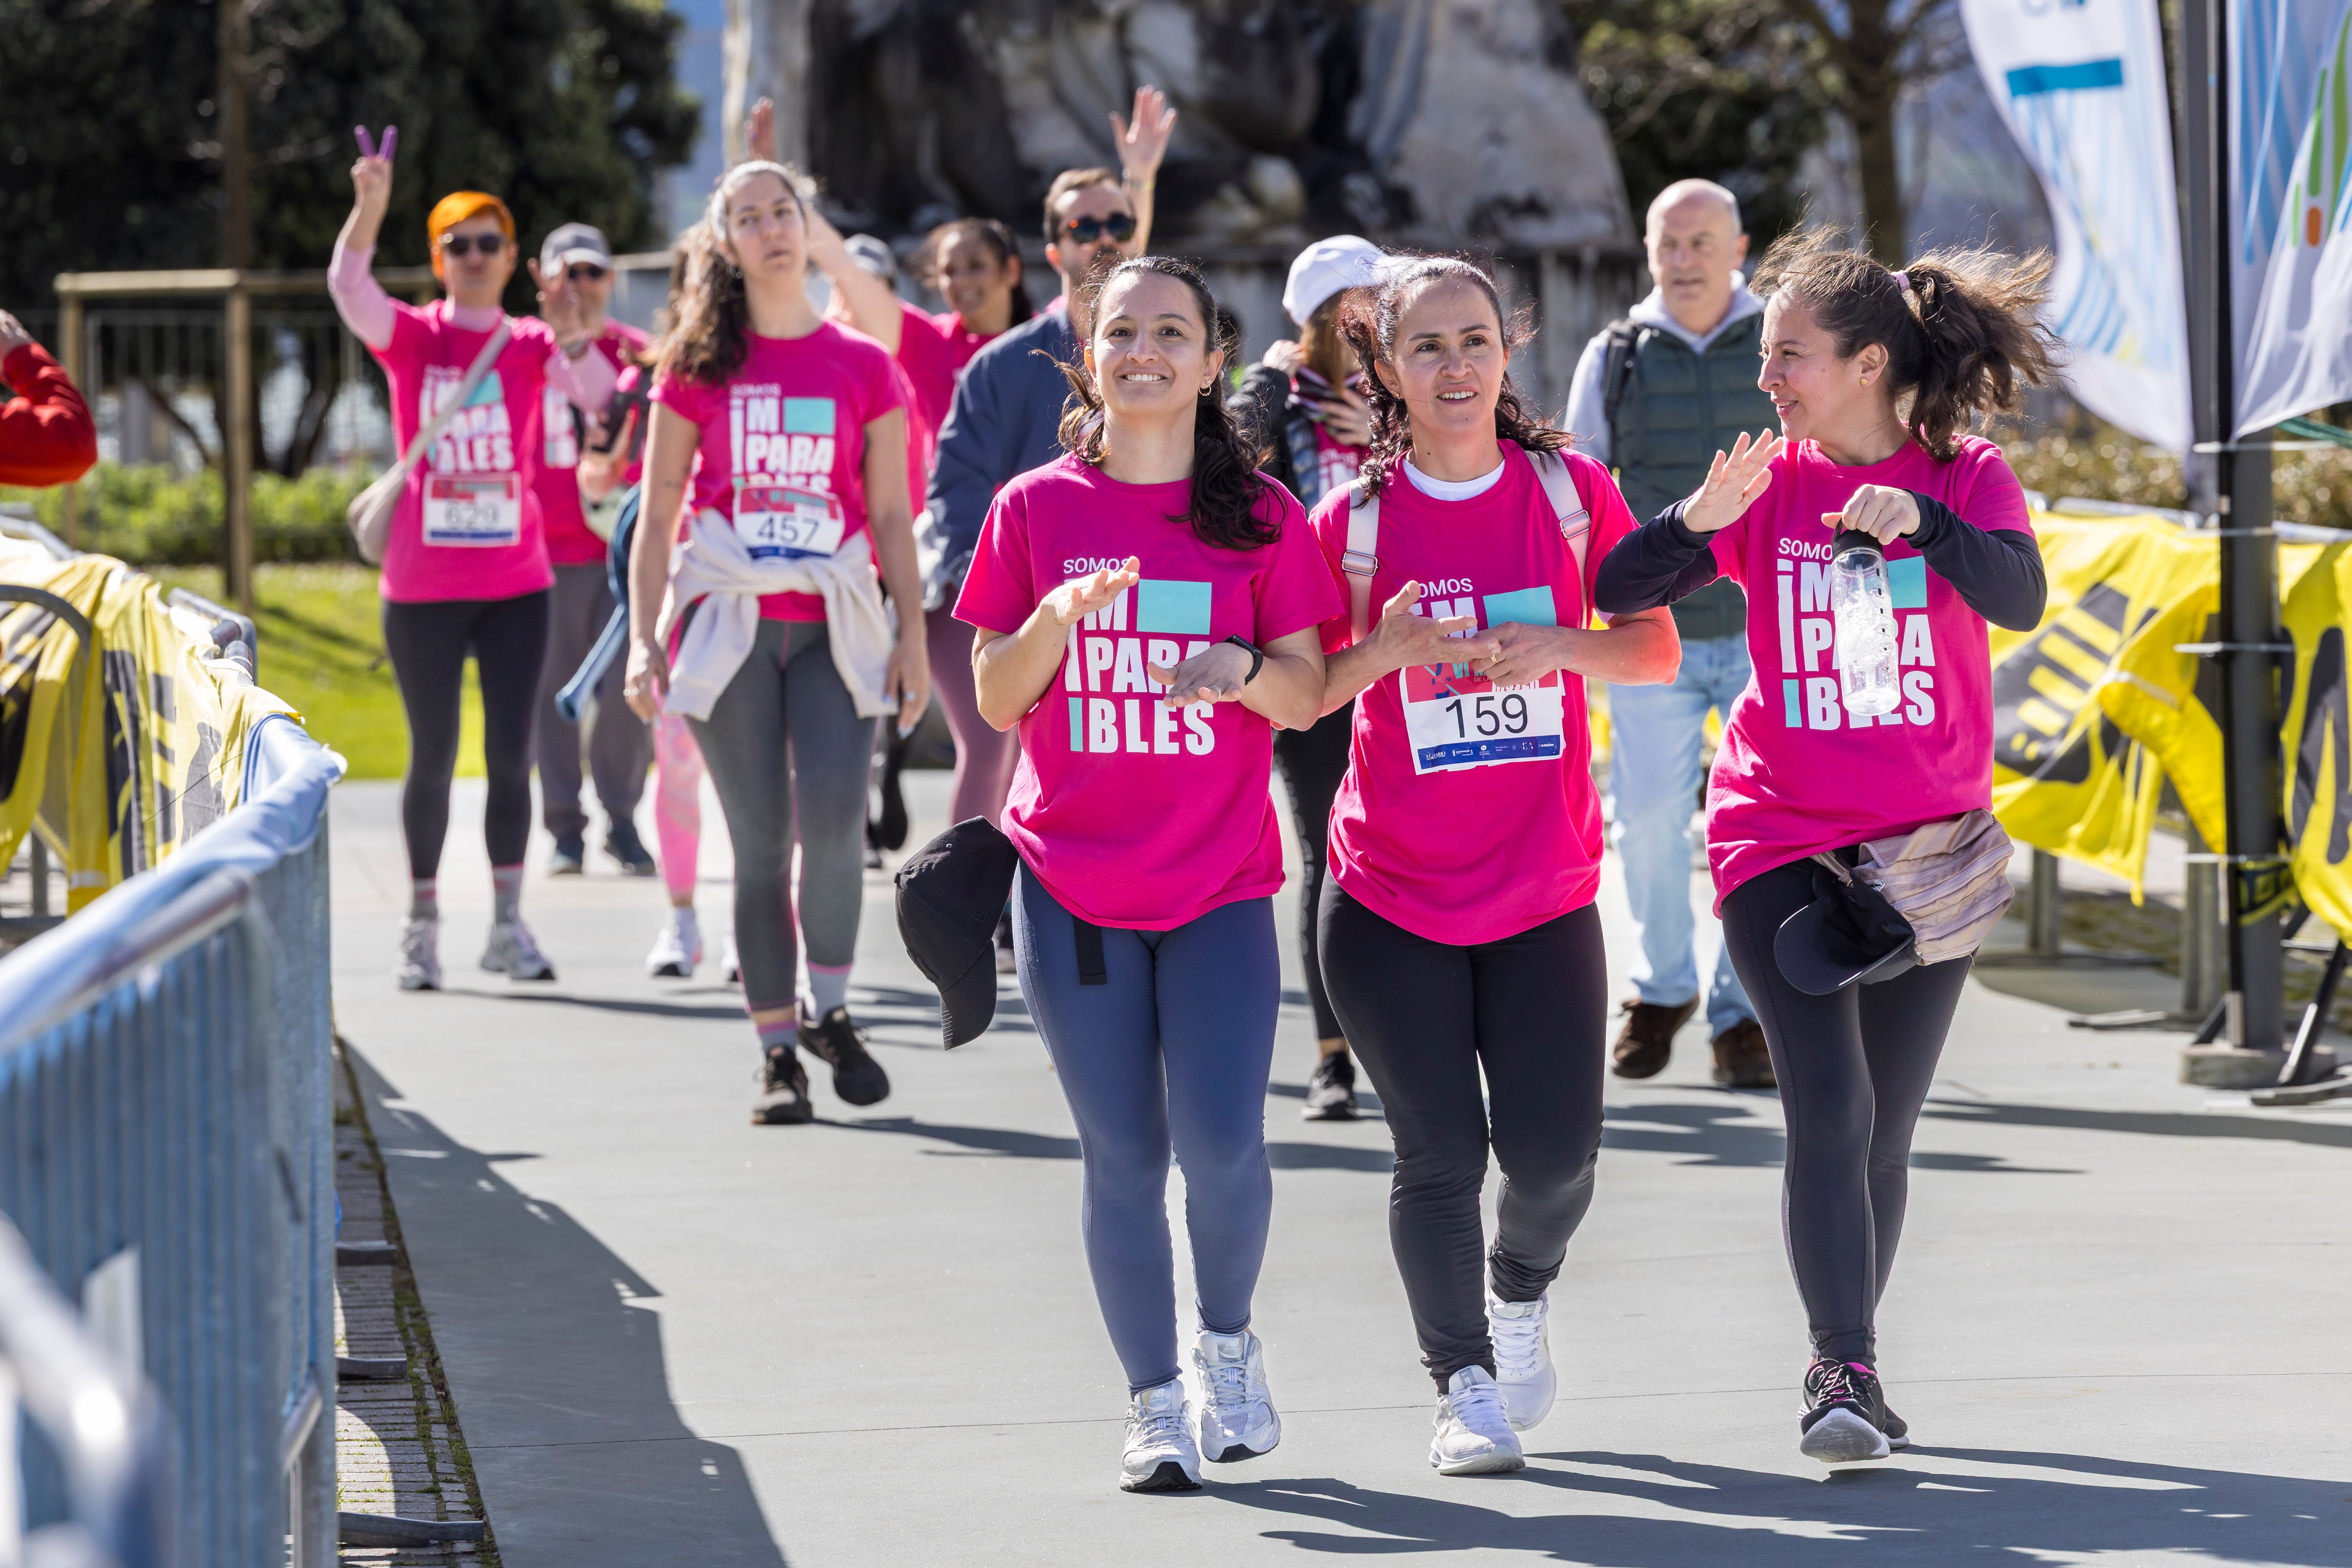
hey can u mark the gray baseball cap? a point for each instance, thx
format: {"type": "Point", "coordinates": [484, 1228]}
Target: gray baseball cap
{"type": "Point", "coordinates": [574, 242]}
{"type": "Point", "coordinates": [873, 257]}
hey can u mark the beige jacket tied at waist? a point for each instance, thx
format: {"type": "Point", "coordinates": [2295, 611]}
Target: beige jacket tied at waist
{"type": "Point", "coordinates": [713, 563]}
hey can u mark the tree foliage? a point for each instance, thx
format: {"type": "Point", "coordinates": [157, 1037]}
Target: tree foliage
{"type": "Point", "coordinates": [109, 150]}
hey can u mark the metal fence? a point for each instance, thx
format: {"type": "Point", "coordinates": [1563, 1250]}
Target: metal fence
{"type": "Point", "coordinates": [166, 1151]}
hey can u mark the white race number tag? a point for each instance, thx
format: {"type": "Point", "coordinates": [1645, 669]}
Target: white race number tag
{"type": "Point", "coordinates": [1454, 718]}
{"type": "Point", "coordinates": [473, 509]}
{"type": "Point", "coordinates": [784, 519]}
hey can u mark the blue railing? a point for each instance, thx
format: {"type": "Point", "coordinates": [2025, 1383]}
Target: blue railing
{"type": "Point", "coordinates": [166, 1151]}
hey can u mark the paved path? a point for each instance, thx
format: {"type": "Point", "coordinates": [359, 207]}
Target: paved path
{"type": "Point", "coordinates": [2119, 1330]}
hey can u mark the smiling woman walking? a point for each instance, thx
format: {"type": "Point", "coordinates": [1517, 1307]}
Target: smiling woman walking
{"type": "Point", "coordinates": [1146, 611]}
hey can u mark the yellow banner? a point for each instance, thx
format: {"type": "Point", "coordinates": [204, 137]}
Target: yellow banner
{"type": "Point", "coordinates": [2316, 739]}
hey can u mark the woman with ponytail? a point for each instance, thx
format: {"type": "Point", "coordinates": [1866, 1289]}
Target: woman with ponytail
{"type": "Point", "coordinates": [1878, 376]}
{"type": "Point", "coordinates": [1145, 609]}
{"type": "Point", "coordinates": [763, 624]}
{"type": "Point", "coordinates": [1458, 936]}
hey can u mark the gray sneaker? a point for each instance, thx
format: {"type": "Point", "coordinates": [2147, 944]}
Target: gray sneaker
{"type": "Point", "coordinates": [419, 968]}
{"type": "Point", "coordinates": [511, 952]}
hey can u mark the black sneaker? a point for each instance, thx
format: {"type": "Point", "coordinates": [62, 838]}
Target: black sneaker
{"type": "Point", "coordinates": [1331, 1090]}
{"type": "Point", "coordinates": [841, 1044]}
{"type": "Point", "coordinates": [623, 845]}
{"type": "Point", "coordinates": [890, 829]}
{"type": "Point", "coordinates": [1897, 1430]}
{"type": "Point", "coordinates": [571, 856]}
{"type": "Point", "coordinates": [1006, 963]}
{"type": "Point", "coordinates": [1845, 1414]}
{"type": "Point", "coordinates": [783, 1091]}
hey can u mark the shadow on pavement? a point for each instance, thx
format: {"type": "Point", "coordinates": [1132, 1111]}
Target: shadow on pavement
{"type": "Point", "coordinates": [558, 1373]}
{"type": "Point", "coordinates": [2072, 1507]}
{"type": "Point", "coordinates": [2160, 1123]}
{"type": "Point", "coordinates": [1728, 1134]}
{"type": "Point", "coordinates": [1019, 1145]}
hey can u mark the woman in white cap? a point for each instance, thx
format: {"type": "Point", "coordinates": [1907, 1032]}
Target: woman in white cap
{"type": "Point", "coordinates": [1303, 400]}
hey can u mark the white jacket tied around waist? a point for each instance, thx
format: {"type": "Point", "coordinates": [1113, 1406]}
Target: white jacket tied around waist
{"type": "Point", "coordinates": [713, 563]}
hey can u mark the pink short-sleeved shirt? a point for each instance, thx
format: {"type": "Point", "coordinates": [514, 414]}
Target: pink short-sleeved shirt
{"type": "Point", "coordinates": [1133, 814]}
{"type": "Point", "coordinates": [933, 351]}
{"type": "Point", "coordinates": [784, 437]}
{"type": "Point", "coordinates": [1468, 813]}
{"type": "Point", "coordinates": [470, 522]}
{"type": "Point", "coordinates": [570, 541]}
{"type": "Point", "coordinates": [1795, 775]}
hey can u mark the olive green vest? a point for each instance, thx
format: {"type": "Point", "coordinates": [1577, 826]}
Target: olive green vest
{"type": "Point", "coordinates": [1678, 409]}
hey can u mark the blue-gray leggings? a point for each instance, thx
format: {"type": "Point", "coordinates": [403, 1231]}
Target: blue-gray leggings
{"type": "Point", "coordinates": [1170, 1051]}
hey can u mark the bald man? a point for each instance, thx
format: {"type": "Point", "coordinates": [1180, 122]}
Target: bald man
{"type": "Point", "coordinates": [1656, 395]}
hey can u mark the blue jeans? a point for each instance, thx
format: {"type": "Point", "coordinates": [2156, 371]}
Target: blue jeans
{"type": "Point", "coordinates": [1656, 734]}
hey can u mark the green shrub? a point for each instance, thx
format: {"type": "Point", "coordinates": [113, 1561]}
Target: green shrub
{"type": "Point", "coordinates": [150, 516]}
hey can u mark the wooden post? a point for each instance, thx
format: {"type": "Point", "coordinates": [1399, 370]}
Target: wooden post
{"type": "Point", "coordinates": [77, 372]}
{"type": "Point", "coordinates": [237, 451]}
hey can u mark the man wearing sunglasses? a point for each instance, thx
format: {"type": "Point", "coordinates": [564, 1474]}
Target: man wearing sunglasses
{"type": "Point", "coordinates": [575, 269]}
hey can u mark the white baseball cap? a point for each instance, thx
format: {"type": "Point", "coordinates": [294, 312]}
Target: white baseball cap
{"type": "Point", "coordinates": [1325, 267]}
{"type": "Point", "coordinates": [574, 242]}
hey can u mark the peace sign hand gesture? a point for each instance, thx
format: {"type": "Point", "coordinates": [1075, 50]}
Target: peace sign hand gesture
{"type": "Point", "coordinates": [372, 175]}
{"type": "Point", "coordinates": [1734, 480]}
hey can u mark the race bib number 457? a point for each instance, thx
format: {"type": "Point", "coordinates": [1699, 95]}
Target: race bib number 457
{"type": "Point", "coordinates": [1454, 718]}
{"type": "Point", "coordinates": [784, 519]}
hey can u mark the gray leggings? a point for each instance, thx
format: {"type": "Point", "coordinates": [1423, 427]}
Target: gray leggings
{"type": "Point", "coordinates": [785, 733]}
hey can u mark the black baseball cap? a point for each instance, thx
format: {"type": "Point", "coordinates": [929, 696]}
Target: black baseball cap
{"type": "Point", "coordinates": [951, 892]}
{"type": "Point", "coordinates": [1848, 933]}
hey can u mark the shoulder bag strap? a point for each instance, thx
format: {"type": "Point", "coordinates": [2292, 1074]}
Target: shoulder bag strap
{"type": "Point", "coordinates": [1362, 558]}
{"type": "Point", "coordinates": [473, 374]}
{"type": "Point", "coordinates": [1567, 508]}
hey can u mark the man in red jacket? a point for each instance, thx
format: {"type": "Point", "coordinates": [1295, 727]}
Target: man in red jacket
{"type": "Point", "coordinates": [46, 437]}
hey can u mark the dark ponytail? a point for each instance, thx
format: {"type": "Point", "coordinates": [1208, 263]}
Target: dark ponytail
{"type": "Point", "coordinates": [1372, 327]}
{"type": "Point", "coordinates": [1960, 328]}
{"type": "Point", "coordinates": [990, 233]}
{"type": "Point", "coordinates": [1226, 486]}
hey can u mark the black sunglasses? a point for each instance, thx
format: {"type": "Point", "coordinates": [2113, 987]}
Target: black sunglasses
{"type": "Point", "coordinates": [1120, 226]}
{"type": "Point", "coordinates": [488, 244]}
{"type": "Point", "coordinates": [587, 270]}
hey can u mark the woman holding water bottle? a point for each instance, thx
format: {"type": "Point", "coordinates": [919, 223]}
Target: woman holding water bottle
{"type": "Point", "coordinates": [1875, 539]}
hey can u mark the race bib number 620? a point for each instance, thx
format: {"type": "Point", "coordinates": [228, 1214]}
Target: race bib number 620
{"type": "Point", "coordinates": [1457, 720]}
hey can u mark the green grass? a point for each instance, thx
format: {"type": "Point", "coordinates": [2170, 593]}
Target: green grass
{"type": "Point", "coordinates": [322, 631]}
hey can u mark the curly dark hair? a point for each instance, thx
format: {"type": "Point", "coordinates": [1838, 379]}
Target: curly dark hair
{"type": "Point", "coordinates": [1227, 489]}
{"type": "Point", "coordinates": [1371, 326]}
{"type": "Point", "coordinates": [1959, 327]}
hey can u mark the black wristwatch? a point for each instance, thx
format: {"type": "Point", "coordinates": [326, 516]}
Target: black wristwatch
{"type": "Point", "coordinates": [1257, 657]}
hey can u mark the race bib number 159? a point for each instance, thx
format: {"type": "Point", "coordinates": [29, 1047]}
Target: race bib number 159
{"type": "Point", "coordinates": [1454, 718]}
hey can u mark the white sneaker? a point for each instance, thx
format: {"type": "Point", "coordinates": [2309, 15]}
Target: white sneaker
{"type": "Point", "coordinates": [1159, 1456]}
{"type": "Point", "coordinates": [1238, 1420]}
{"type": "Point", "coordinates": [419, 968]}
{"type": "Point", "coordinates": [730, 966]}
{"type": "Point", "coordinates": [1523, 1369]}
{"type": "Point", "coordinates": [1474, 1437]}
{"type": "Point", "coordinates": [678, 948]}
{"type": "Point", "coordinates": [511, 952]}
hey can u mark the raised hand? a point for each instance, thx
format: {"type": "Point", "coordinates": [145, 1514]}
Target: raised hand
{"type": "Point", "coordinates": [1734, 480]}
{"type": "Point", "coordinates": [1143, 141]}
{"type": "Point", "coordinates": [1881, 512]}
{"type": "Point", "coordinates": [1402, 638]}
{"type": "Point", "coordinates": [1216, 674]}
{"type": "Point", "coordinates": [372, 175]}
{"type": "Point", "coordinates": [560, 305]}
{"type": "Point", "coordinates": [1079, 597]}
{"type": "Point", "coordinates": [760, 132]}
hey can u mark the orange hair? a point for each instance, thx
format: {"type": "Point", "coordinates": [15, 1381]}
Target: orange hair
{"type": "Point", "coordinates": [456, 208]}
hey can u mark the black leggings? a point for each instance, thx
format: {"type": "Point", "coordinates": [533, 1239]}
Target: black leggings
{"type": "Point", "coordinates": [1425, 1016]}
{"type": "Point", "coordinates": [428, 644]}
{"type": "Point", "coordinates": [1313, 760]}
{"type": "Point", "coordinates": [1855, 1069]}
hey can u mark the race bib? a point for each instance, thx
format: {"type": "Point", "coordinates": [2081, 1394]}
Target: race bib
{"type": "Point", "coordinates": [783, 519]}
{"type": "Point", "coordinates": [1454, 718]}
{"type": "Point", "coordinates": [474, 510]}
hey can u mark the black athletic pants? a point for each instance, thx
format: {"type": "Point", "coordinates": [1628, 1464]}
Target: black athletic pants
{"type": "Point", "coordinates": [428, 644]}
{"type": "Point", "coordinates": [1855, 1068]}
{"type": "Point", "coordinates": [1313, 760]}
{"type": "Point", "coordinates": [1425, 1016]}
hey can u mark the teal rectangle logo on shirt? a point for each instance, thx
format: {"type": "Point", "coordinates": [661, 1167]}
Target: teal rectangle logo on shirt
{"type": "Point", "coordinates": [1174, 608]}
{"type": "Point", "coordinates": [486, 391]}
{"type": "Point", "coordinates": [808, 416]}
{"type": "Point", "coordinates": [1907, 580]}
{"type": "Point", "coordinates": [1528, 607]}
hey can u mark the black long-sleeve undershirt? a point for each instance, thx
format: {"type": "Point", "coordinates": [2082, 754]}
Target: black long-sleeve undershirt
{"type": "Point", "coordinates": [1996, 571]}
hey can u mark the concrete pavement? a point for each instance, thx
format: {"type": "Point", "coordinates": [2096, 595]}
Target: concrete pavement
{"type": "Point", "coordinates": [2119, 1328]}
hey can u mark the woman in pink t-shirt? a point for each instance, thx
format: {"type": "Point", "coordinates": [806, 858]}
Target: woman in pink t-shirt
{"type": "Point", "coordinates": [1877, 375]}
{"type": "Point", "coordinates": [1145, 610]}
{"type": "Point", "coordinates": [1457, 927]}
{"type": "Point", "coordinates": [465, 565]}
{"type": "Point", "coordinates": [760, 619]}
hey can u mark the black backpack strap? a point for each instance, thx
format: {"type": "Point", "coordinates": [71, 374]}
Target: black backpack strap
{"type": "Point", "coordinates": [1617, 370]}
{"type": "Point", "coordinates": [1091, 971]}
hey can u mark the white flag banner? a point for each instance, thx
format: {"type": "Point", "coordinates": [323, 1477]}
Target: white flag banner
{"type": "Point", "coordinates": [2082, 87]}
{"type": "Point", "coordinates": [2291, 205]}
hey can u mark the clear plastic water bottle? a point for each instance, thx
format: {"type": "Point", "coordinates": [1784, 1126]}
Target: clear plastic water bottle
{"type": "Point", "coordinates": [1864, 608]}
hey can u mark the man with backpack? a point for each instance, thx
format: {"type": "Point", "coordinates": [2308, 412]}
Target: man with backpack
{"type": "Point", "coordinates": [1655, 396]}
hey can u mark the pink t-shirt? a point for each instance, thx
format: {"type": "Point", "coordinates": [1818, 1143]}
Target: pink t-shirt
{"type": "Point", "coordinates": [570, 541]}
{"type": "Point", "coordinates": [1468, 813]}
{"type": "Point", "coordinates": [933, 351]}
{"type": "Point", "coordinates": [468, 525]}
{"type": "Point", "coordinates": [1134, 815]}
{"type": "Point", "coordinates": [783, 444]}
{"type": "Point", "coordinates": [1795, 775]}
